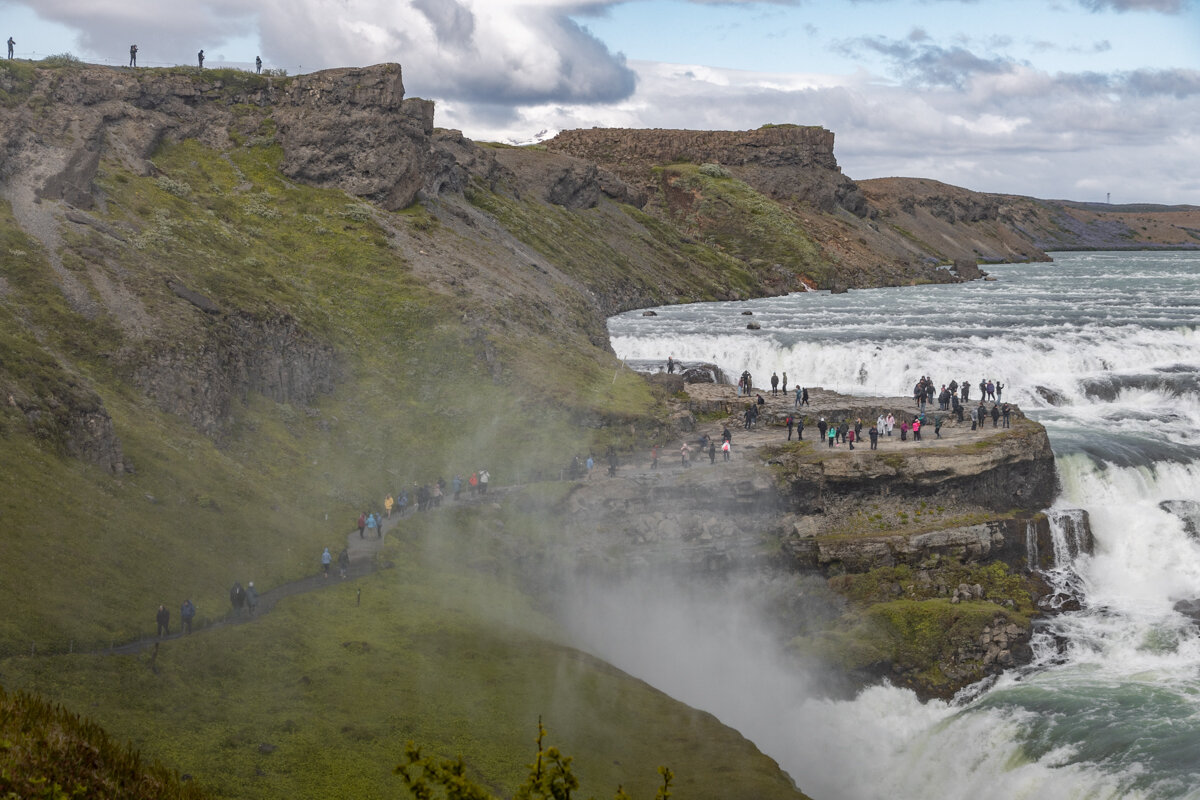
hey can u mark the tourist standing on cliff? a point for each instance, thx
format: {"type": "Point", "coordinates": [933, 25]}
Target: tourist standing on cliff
{"type": "Point", "coordinates": [783, 385]}
{"type": "Point", "coordinates": [200, 58]}
{"type": "Point", "coordinates": [995, 415]}
{"type": "Point", "coordinates": [916, 429]}
{"type": "Point", "coordinates": [133, 55]}
{"type": "Point", "coordinates": [890, 423]}
{"type": "Point", "coordinates": [999, 391]}
{"type": "Point", "coordinates": [684, 453]}
{"type": "Point", "coordinates": [804, 400]}
{"type": "Point", "coordinates": [800, 429]}
{"type": "Point", "coordinates": [874, 434]}
{"type": "Point", "coordinates": [821, 426]}
{"type": "Point", "coordinates": [774, 384]}
{"type": "Point", "coordinates": [790, 422]}
{"type": "Point", "coordinates": [726, 435]}
{"type": "Point", "coordinates": [904, 430]}
{"type": "Point", "coordinates": [725, 449]}
{"type": "Point", "coordinates": [258, 65]}
{"type": "Point", "coordinates": [670, 365]}
{"type": "Point", "coordinates": [1005, 412]}
{"type": "Point", "coordinates": [11, 44]}
{"type": "Point", "coordinates": [831, 435]}
{"type": "Point", "coordinates": [712, 452]}
{"type": "Point", "coordinates": [966, 391]}
{"type": "Point", "coordinates": [485, 478]}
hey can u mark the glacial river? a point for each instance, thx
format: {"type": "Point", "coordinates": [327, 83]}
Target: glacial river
{"type": "Point", "coordinates": [1103, 349]}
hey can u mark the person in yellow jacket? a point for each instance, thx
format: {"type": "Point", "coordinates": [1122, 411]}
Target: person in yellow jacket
{"type": "Point", "coordinates": [388, 502]}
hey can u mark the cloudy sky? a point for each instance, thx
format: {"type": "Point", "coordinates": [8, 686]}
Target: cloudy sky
{"type": "Point", "coordinates": [1052, 98]}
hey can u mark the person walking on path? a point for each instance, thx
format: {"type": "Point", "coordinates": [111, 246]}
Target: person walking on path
{"type": "Point", "coordinates": [187, 612]}
{"type": "Point", "coordinates": [326, 560]}
{"type": "Point", "coordinates": [251, 598]}
{"type": "Point", "coordinates": [937, 426]}
{"type": "Point", "coordinates": [798, 391]}
{"type": "Point", "coordinates": [388, 503]}
{"type": "Point", "coordinates": [163, 617]}
{"type": "Point", "coordinates": [874, 434]}
{"type": "Point", "coordinates": [725, 449]}
{"type": "Point", "coordinates": [485, 478]}
{"type": "Point", "coordinates": [804, 397]}
{"type": "Point", "coordinates": [258, 65]}
{"type": "Point", "coordinates": [654, 457]}
{"type": "Point", "coordinates": [456, 483]}
{"type": "Point", "coordinates": [133, 55]}
{"type": "Point", "coordinates": [11, 44]}
{"type": "Point", "coordinates": [790, 424]}
{"type": "Point", "coordinates": [344, 560]}
{"type": "Point", "coordinates": [200, 58]}
{"type": "Point", "coordinates": [726, 435]}
{"type": "Point", "coordinates": [372, 525]}
{"type": "Point", "coordinates": [890, 423]}
{"type": "Point", "coordinates": [850, 438]}
{"type": "Point", "coordinates": [362, 523]}
{"type": "Point", "coordinates": [684, 452]}
{"type": "Point", "coordinates": [712, 452]}
{"type": "Point", "coordinates": [831, 435]}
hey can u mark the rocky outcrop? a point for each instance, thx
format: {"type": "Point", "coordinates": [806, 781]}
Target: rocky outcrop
{"type": "Point", "coordinates": [59, 410]}
{"type": "Point", "coordinates": [351, 129]}
{"type": "Point", "coordinates": [790, 162]}
{"type": "Point", "coordinates": [239, 355]}
{"type": "Point", "coordinates": [1004, 540]}
{"type": "Point", "coordinates": [1012, 471]}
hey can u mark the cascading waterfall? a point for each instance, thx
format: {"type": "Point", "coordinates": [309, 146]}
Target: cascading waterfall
{"type": "Point", "coordinates": [1102, 348]}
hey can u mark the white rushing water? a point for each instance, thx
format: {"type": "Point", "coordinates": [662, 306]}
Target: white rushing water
{"type": "Point", "coordinates": [1103, 349]}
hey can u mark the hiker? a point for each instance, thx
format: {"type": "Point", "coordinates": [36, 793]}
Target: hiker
{"type": "Point", "coordinates": [683, 454]}
{"type": "Point", "coordinates": [362, 523]}
{"type": "Point", "coordinates": [344, 560]}
{"type": "Point", "coordinates": [200, 58]}
{"type": "Point", "coordinates": [774, 384]}
{"type": "Point", "coordinates": [11, 43]}
{"type": "Point", "coordinates": [163, 616]}
{"type": "Point", "coordinates": [438, 492]}
{"type": "Point", "coordinates": [456, 484]}
{"type": "Point", "coordinates": [726, 435]}
{"type": "Point", "coordinates": [712, 452]}
{"type": "Point", "coordinates": [916, 429]}
{"type": "Point", "coordinates": [999, 391]}
{"type": "Point", "coordinates": [372, 525]}
{"type": "Point", "coordinates": [995, 415]}
{"type": "Point", "coordinates": [966, 391]}
{"type": "Point", "coordinates": [725, 449]}
{"type": "Point", "coordinates": [251, 597]}
{"type": "Point", "coordinates": [484, 478]}
{"type": "Point", "coordinates": [612, 462]}
{"type": "Point", "coordinates": [790, 425]}
{"type": "Point", "coordinates": [749, 415]}
{"type": "Point", "coordinates": [821, 426]}
{"type": "Point", "coordinates": [904, 431]}
{"type": "Point", "coordinates": [403, 502]}
{"type": "Point", "coordinates": [1005, 411]}
{"type": "Point", "coordinates": [388, 502]}
{"type": "Point", "coordinates": [473, 481]}
{"type": "Point", "coordinates": [874, 434]}
{"type": "Point", "coordinates": [187, 612]}
{"type": "Point", "coordinates": [850, 438]}
{"type": "Point", "coordinates": [937, 426]}
{"type": "Point", "coordinates": [654, 457]}
{"type": "Point", "coordinates": [799, 429]}
{"type": "Point", "coordinates": [670, 365]}
{"type": "Point", "coordinates": [890, 423]}
{"type": "Point", "coordinates": [258, 65]}
{"type": "Point", "coordinates": [798, 394]}
{"type": "Point", "coordinates": [832, 435]}
{"type": "Point", "coordinates": [237, 596]}
{"type": "Point", "coordinates": [133, 55]}
{"type": "Point", "coordinates": [326, 560]}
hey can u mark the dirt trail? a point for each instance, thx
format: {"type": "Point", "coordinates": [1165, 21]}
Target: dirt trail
{"type": "Point", "coordinates": [362, 552]}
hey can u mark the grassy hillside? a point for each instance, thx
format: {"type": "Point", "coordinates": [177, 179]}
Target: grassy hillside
{"type": "Point", "coordinates": [318, 698]}
{"type": "Point", "coordinates": [465, 335]}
